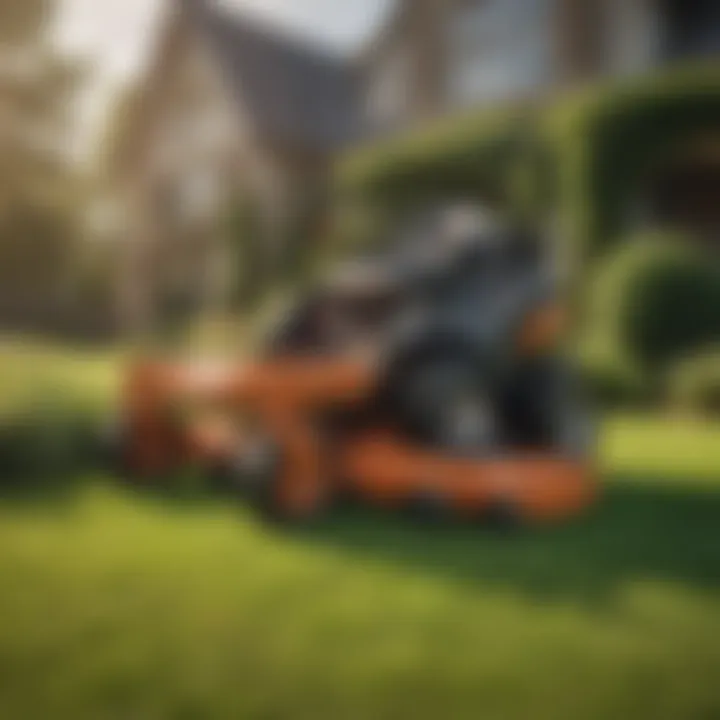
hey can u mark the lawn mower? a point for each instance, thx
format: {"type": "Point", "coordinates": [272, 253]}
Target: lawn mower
{"type": "Point", "coordinates": [429, 377]}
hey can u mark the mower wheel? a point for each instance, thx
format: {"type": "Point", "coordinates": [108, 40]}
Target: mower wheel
{"type": "Point", "coordinates": [429, 508]}
{"type": "Point", "coordinates": [503, 516]}
{"type": "Point", "coordinates": [254, 477]}
{"type": "Point", "coordinates": [253, 473]}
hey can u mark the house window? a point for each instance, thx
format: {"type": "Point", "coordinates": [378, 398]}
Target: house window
{"type": "Point", "coordinates": [389, 91]}
{"type": "Point", "coordinates": [498, 49]}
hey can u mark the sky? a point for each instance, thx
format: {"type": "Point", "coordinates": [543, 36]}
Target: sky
{"type": "Point", "coordinates": [116, 34]}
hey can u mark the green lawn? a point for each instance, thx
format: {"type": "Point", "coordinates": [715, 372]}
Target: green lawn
{"type": "Point", "coordinates": [120, 605]}
{"type": "Point", "coordinates": [662, 448]}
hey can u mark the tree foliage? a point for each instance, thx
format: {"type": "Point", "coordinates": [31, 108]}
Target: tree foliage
{"type": "Point", "coordinates": [39, 194]}
{"type": "Point", "coordinates": [21, 19]}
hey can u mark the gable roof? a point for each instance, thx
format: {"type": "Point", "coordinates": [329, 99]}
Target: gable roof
{"type": "Point", "coordinates": [297, 92]}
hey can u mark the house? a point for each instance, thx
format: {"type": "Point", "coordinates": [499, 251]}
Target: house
{"type": "Point", "coordinates": [444, 56]}
{"type": "Point", "coordinates": [229, 114]}
{"type": "Point", "coordinates": [232, 112]}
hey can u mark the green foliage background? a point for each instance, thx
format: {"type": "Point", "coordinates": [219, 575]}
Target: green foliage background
{"type": "Point", "coordinates": [575, 165]}
{"type": "Point", "coordinates": [585, 153]}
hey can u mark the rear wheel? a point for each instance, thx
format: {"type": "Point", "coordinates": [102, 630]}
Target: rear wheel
{"type": "Point", "coordinates": [503, 516]}
{"type": "Point", "coordinates": [543, 407]}
{"type": "Point", "coordinates": [429, 508]}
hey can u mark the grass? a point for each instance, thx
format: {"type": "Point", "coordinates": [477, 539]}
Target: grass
{"type": "Point", "coordinates": [120, 606]}
{"type": "Point", "coordinates": [31, 373]}
{"type": "Point", "coordinates": [115, 604]}
{"type": "Point", "coordinates": [662, 447]}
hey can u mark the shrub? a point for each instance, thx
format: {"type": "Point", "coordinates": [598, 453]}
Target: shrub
{"type": "Point", "coordinates": [47, 446]}
{"type": "Point", "coordinates": [52, 405]}
{"type": "Point", "coordinates": [656, 299]}
{"type": "Point", "coordinates": [588, 154]}
{"type": "Point", "coordinates": [612, 379]}
{"type": "Point", "coordinates": [694, 383]}
{"type": "Point", "coordinates": [486, 154]}
{"type": "Point", "coordinates": [610, 139]}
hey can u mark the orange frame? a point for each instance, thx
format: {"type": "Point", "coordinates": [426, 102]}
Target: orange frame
{"type": "Point", "coordinates": [286, 395]}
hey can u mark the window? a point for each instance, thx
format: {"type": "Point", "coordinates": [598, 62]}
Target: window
{"type": "Point", "coordinates": [498, 49]}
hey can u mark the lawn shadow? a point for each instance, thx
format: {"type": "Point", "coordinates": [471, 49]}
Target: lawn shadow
{"type": "Point", "coordinates": [640, 531]}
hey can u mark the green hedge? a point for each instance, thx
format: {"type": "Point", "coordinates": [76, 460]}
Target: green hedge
{"type": "Point", "coordinates": [695, 383]}
{"type": "Point", "coordinates": [607, 141]}
{"type": "Point", "coordinates": [482, 154]}
{"type": "Point", "coordinates": [48, 447]}
{"type": "Point", "coordinates": [613, 380]}
{"type": "Point", "coordinates": [656, 299]}
{"type": "Point", "coordinates": [53, 403]}
{"type": "Point", "coordinates": [583, 155]}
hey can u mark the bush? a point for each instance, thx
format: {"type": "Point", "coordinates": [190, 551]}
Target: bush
{"type": "Point", "coordinates": [589, 153]}
{"type": "Point", "coordinates": [492, 155]}
{"type": "Point", "coordinates": [613, 382]}
{"type": "Point", "coordinates": [45, 448]}
{"type": "Point", "coordinates": [610, 375]}
{"type": "Point", "coordinates": [695, 383]}
{"type": "Point", "coordinates": [52, 405]}
{"type": "Point", "coordinates": [656, 300]}
{"type": "Point", "coordinates": [609, 141]}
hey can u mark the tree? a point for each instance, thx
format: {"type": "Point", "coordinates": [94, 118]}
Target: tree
{"type": "Point", "coordinates": [39, 193]}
